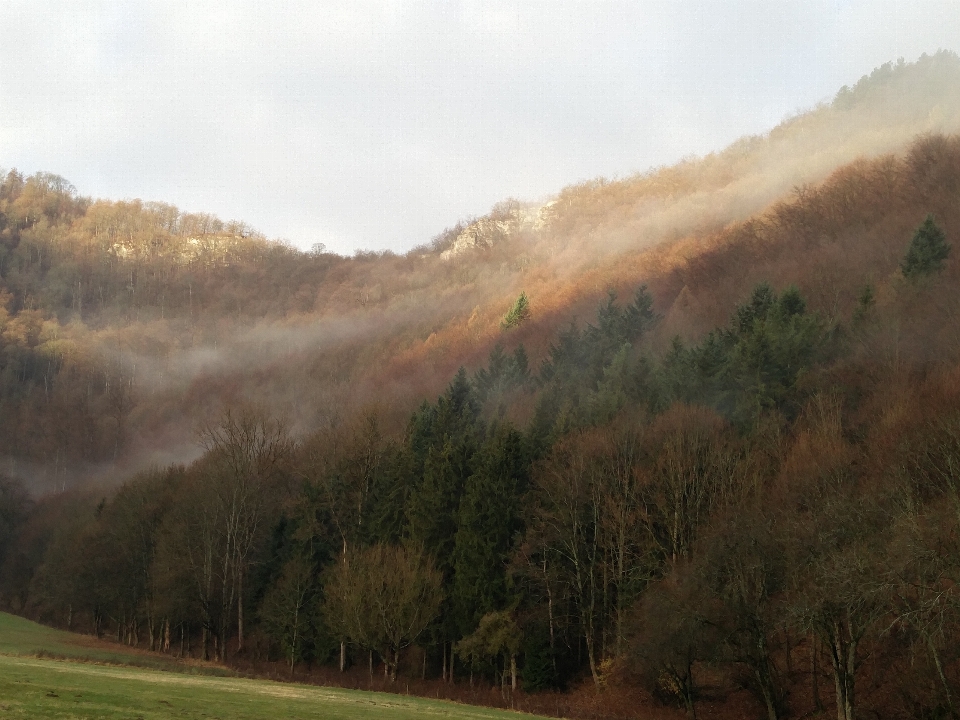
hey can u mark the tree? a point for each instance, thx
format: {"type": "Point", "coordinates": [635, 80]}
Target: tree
{"type": "Point", "coordinates": [754, 364]}
{"type": "Point", "coordinates": [287, 610]}
{"type": "Point", "coordinates": [741, 566]}
{"type": "Point", "coordinates": [129, 524]}
{"type": "Point", "coordinates": [489, 520]}
{"type": "Point", "coordinates": [342, 464]}
{"type": "Point", "coordinates": [15, 504]}
{"type": "Point", "coordinates": [692, 465]}
{"type": "Point", "coordinates": [925, 557]}
{"type": "Point", "coordinates": [247, 452]}
{"type": "Point", "coordinates": [568, 529]}
{"type": "Point", "coordinates": [383, 598]}
{"type": "Point", "coordinates": [343, 467]}
{"type": "Point", "coordinates": [836, 544]}
{"type": "Point", "coordinates": [497, 635]}
{"type": "Point", "coordinates": [928, 249]}
{"type": "Point", "coordinates": [631, 556]}
{"type": "Point", "coordinates": [672, 634]}
{"type": "Point", "coordinates": [503, 373]}
{"type": "Point", "coordinates": [191, 555]}
{"type": "Point", "coordinates": [517, 314]}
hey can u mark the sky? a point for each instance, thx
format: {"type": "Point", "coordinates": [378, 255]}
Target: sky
{"type": "Point", "coordinates": [378, 124]}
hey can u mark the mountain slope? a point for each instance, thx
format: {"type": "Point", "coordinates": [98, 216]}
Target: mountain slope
{"type": "Point", "coordinates": [128, 323]}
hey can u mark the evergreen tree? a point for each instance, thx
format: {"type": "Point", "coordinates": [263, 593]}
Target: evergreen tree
{"type": "Point", "coordinates": [489, 520]}
{"type": "Point", "coordinates": [521, 365]}
{"type": "Point", "coordinates": [774, 340]}
{"type": "Point", "coordinates": [503, 373]}
{"type": "Point", "coordinates": [615, 328]}
{"type": "Point", "coordinates": [442, 446]}
{"type": "Point", "coordinates": [519, 313]}
{"type": "Point", "coordinates": [928, 249]}
{"type": "Point", "coordinates": [752, 365]}
{"type": "Point", "coordinates": [678, 374]}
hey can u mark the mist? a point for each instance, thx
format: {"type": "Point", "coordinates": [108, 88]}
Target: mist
{"type": "Point", "coordinates": [313, 338]}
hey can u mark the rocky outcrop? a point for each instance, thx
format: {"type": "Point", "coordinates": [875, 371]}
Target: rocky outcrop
{"type": "Point", "coordinates": [500, 225]}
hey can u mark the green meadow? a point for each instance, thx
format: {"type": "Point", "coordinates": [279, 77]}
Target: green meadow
{"type": "Point", "coordinates": [47, 673]}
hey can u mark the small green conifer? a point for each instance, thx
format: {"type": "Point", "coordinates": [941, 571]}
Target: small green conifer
{"type": "Point", "coordinates": [518, 313]}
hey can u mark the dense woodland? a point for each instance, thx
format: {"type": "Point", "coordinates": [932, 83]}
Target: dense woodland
{"type": "Point", "coordinates": [721, 468]}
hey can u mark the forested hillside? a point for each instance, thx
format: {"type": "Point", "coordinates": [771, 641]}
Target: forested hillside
{"type": "Point", "coordinates": [693, 434]}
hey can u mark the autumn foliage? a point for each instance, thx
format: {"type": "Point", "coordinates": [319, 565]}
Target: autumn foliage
{"type": "Point", "coordinates": [682, 442]}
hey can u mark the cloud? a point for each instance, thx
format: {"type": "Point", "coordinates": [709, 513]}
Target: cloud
{"type": "Point", "coordinates": [377, 124]}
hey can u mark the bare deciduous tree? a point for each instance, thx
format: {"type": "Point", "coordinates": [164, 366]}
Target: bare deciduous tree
{"type": "Point", "coordinates": [383, 598]}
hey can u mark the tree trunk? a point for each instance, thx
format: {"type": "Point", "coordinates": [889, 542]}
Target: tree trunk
{"type": "Point", "coordinates": [943, 677]}
{"type": "Point", "coordinates": [786, 637]}
{"type": "Point", "coordinates": [293, 645]}
{"type": "Point", "coordinates": [688, 693]}
{"type": "Point", "coordinates": [850, 677]}
{"type": "Point", "coordinates": [443, 672]}
{"type": "Point", "coordinates": [768, 698]}
{"type": "Point", "coordinates": [843, 655]}
{"type": "Point", "coordinates": [240, 607]}
{"type": "Point", "coordinates": [513, 671]}
{"type": "Point", "coordinates": [546, 581]}
{"type": "Point", "coordinates": [343, 655]}
{"type": "Point", "coordinates": [815, 675]}
{"type": "Point", "coordinates": [592, 659]}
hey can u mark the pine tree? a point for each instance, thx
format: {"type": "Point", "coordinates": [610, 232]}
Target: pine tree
{"type": "Point", "coordinates": [927, 251]}
{"type": "Point", "coordinates": [518, 313]}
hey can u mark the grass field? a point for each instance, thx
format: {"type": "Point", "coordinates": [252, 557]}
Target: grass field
{"type": "Point", "coordinates": [78, 687]}
{"type": "Point", "coordinates": [23, 637]}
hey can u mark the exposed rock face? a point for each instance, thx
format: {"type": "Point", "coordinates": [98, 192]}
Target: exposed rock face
{"type": "Point", "coordinates": [209, 249]}
{"type": "Point", "coordinates": [498, 226]}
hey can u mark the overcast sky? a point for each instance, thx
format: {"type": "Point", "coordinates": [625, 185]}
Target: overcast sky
{"type": "Point", "coordinates": [378, 124]}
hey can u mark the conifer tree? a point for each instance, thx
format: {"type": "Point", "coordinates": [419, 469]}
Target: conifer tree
{"type": "Point", "coordinates": [518, 313]}
{"type": "Point", "coordinates": [489, 519]}
{"type": "Point", "coordinates": [928, 249]}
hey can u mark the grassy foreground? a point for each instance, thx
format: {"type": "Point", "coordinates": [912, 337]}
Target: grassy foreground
{"type": "Point", "coordinates": [19, 636]}
{"type": "Point", "coordinates": [76, 687]}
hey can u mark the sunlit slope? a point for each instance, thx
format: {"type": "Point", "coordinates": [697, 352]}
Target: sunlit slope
{"type": "Point", "coordinates": [151, 319]}
{"type": "Point", "coordinates": [391, 328]}
{"type": "Point", "coordinates": [879, 114]}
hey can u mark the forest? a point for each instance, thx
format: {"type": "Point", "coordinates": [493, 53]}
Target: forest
{"type": "Point", "coordinates": [715, 468]}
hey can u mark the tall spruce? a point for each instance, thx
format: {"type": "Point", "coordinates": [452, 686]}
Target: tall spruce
{"type": "Point", "coordinates": [490, 517]}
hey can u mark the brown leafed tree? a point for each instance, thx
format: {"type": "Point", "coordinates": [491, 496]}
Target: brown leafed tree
{"type": "Point", "coordinates": [248, 453]}
{"type": "Point", "coordinates": [382, 598]}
